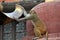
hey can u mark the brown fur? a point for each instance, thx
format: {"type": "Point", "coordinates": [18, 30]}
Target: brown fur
{"type": "Point", "coordinates": [39, 27]}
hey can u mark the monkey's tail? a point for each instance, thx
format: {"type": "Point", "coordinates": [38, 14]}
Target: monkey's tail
{"type": "Point", "coordinates": [46, 35]}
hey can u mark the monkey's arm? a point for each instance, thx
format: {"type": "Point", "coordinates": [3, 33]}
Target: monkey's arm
{"type": "Point", "coordinates": [28, 17]}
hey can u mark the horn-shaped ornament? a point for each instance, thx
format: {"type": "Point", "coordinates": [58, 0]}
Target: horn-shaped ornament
{"type": "Point", "coordinates": [16, 13]}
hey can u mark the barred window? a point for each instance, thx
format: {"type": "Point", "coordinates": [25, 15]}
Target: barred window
{"type": "Point", "coordinates": [12, 31]}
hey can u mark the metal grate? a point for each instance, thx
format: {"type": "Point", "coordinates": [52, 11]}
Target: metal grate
{"type": "Point", "coordinates": [12, 31]}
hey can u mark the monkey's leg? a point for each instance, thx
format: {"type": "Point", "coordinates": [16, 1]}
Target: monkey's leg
{"type": "Point", "coordinates": [37, 34]}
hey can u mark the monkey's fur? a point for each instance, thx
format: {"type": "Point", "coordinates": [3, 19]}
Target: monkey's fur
{"type": "Point", "coordinates": [39, 27]}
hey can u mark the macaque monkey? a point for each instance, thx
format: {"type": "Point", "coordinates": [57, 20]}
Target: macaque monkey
{"type": "Point", "coordinates": [39, 27]}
